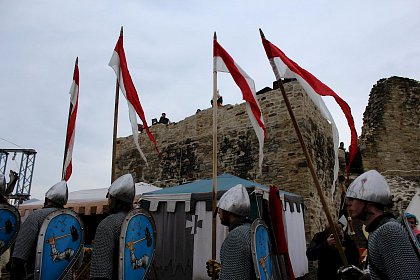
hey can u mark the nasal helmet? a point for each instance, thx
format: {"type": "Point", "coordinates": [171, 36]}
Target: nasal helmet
{"type": "Point", "coordinates": [236, 201]}
{"type": "Point", "coordinates": [58, 193]}
{"type": "Point", "coordinates": [123, 188]}
{"type": "Point", "coordinates": [370, 186]}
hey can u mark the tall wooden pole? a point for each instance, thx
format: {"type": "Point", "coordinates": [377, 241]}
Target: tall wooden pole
{"type": "Point", "coordinates": [312, 170]}
{"type": "Point", "coordinates": [114, 138]}
{"type": "Point", "coordinates": [314, 176]}
{"type": "Point", "coordinates": [214, 197]}
{"type": "Point", "coordinates": [67, 135]}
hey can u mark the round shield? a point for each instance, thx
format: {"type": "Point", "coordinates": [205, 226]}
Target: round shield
{"type": "Point", "coordinates": [137, 245]}
{"type": "Point", "coordinates": [60, 242]}
{"type": "Point", "coordinates": [261, 250]}
{"type": "Point", "coordinates": [9, 226]}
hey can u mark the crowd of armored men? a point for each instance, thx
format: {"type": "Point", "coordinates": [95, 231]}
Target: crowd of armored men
{"type": "Point", "coordinates": [391, 253]}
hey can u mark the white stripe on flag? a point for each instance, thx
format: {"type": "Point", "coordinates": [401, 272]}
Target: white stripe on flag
{"type": "Point", "coordinates": [282, 71]}
{"type": "Point", "coordinates": [115, 64]}
{"type": "Point", "coordinates": [221, 67]}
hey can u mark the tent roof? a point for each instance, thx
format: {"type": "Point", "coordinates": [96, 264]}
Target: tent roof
{"type": "Point", "coordinates": [224, 183]}
{"type": "Point", "coordinates": [202, 190]}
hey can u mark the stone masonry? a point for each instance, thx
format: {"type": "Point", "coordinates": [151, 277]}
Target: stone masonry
{"type": "Point", "coordinates": [186, 150]}
{"type": "Point", "coordinates": [391, 135]}
{"type": "Point", "coordinates": [391, 124]}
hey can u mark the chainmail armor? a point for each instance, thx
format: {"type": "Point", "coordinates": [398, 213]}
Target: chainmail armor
{"type": "Point", "coordinates": [391, 254]}
{"type": "Point", "coordinates": [106, 247]}
{"type": "Point", "coordinates": [235, 255]}
{"type": "Point", "coordinates": [26, 241]}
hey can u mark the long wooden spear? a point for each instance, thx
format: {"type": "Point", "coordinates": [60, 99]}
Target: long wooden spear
{"type": "Point", "coordinates": [114, 138]}
{"type": "Point", "coordinates": [214, 197]}
{"type": "Point", "coordinates": [312, 170]}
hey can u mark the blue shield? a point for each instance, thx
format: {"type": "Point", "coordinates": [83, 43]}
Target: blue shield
{"type": "Point", "coordinates": [261, 248]}
{"type": "Point", "coordinates": [137, 245]}
{"type": "Point", "coordinates": [60, 242]}
{"type": "Point", "coordinates": [9, 226]}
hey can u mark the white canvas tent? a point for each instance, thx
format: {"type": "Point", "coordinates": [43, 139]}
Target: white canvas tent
{"type": "Point", "coordinates": [183, 219]}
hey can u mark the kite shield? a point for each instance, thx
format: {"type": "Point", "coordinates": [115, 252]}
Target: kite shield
{"type": "Point", "coordinates": [60, 242]}
{"type": "Point", "coordinates": [9, 226]}
{"type": "Point", "coordinates": [261, 250]}
{"type": "Point", "coordinates": [137, 245]}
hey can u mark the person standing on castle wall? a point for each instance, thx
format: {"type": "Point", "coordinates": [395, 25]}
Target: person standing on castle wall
{"type": "Point", "coordinates": [342, 158]}
{"type": "Point", "coordinates": [219, 100]}
{"type": "Point", "coordinates": [105, 252]}
{"type": "Point", "coordinates": [391, 255]}
{"type": "Point", "coordinates": [163, 119]}
{"type": "Point", "coordinates": [322, 249]}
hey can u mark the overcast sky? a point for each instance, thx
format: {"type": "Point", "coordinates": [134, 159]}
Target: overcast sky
{"type": "Point", "coordinates": [349, 45]}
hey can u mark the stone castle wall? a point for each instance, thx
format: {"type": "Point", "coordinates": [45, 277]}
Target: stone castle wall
{"type": "Point", "coordinates": [186, 150]}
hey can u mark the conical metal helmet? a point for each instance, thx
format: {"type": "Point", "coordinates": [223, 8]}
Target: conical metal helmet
{"type": "Point", "coordinates": [370, 186]}
{"type": "Point", "coordinates": [58, 193]}
{"type": "Point", "coordinates": [2, 183]}
{"type": "Point", "coordinates": [235, 200]}
{"type": "Point", "coordinates": [123, 188]}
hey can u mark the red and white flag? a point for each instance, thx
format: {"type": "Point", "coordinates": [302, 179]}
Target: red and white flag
{"type": "Point", "coordinates": [225, 63]}
{"type": "Point", "coordinates": [71, 125]}
{"type": "Point", "coordinates": [284, 67]}
{"type": "Point", "coordinates": [119, 64]}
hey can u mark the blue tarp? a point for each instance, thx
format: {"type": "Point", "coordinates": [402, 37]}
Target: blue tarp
{"type": "Point", "coordinates": [224, 182]}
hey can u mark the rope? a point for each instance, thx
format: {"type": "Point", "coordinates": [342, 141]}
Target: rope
{"type": "Point", "coordinates": [11, 142]}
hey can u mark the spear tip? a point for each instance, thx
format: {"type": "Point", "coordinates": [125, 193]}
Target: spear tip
{"type": "Point", "coordinates": [262, 33]}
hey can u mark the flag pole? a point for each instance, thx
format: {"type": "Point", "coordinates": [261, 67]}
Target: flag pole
{"type": "Point", "coordinates": [214, 197]}
{"type": "Point", "coordinates": [312, 170]}
{"type": "Point", "coordinates": [63, 172]}
{"type": "Point", "coordinates": [114, 138]}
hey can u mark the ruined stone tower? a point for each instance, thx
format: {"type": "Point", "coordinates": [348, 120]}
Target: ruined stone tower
{"type": "Point", "coordinates": [390, 140]}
